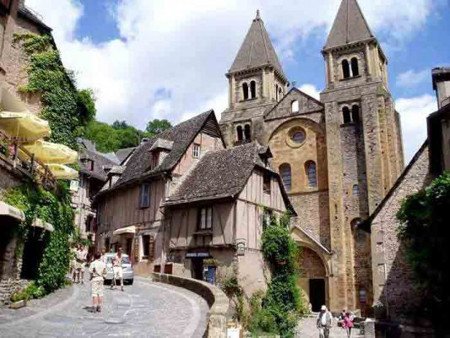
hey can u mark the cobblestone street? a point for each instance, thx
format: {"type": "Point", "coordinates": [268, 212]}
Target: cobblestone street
{"type": "Point", "coordinates": [145, 309]}
{"type": "Point", "coordinates": [307, 329]}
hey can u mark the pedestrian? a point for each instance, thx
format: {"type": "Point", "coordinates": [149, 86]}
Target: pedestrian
{"type": "Point", "coordinates": [81, 263]}
{"type": "Point", "coordinates": [324, 322]}
{"type": "Point", "coordinates": [347, 324]}
{"type": "Point", "coordinates": [73, 262]}
{"type": "Point", "coordinates": [117, 269]}
{"type": "Point", "coordinates": [98, 272]}
{"type": "Point", "coordinates": [341, 318]}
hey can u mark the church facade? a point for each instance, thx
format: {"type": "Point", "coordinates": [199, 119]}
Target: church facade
{"type": "Point", "coordinates": [337, 156]}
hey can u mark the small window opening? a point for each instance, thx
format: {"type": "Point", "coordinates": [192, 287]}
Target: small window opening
{"type": "Point", "coordinates": [240, 134]}
{"type": "Point", "coordinates": [144, 196]}
{"type": "Point", "coordinates": [295, 106]}
{"type": "Point", "coordinates": [276, 92]}
{"type": "Point", "coordinates": [205, 218]}
{"type": "Point", "coordinates": [196, 150]}
{"type": "Point", "coordinates": [145, 246]}
{"type": "Point", "coordinates": [266, 183]}
{"type": "Point", "coordinates": [311, 172]}
{"type": "Point", "coordinates": [355, 113]}
{"type": "Point", "coordinates": [247, 133]}
{"type": "Point", "coordinates": [253, 89]}
{"type": "Point", "coordinates": [346, 115]}
{"type": "Point", "coordinates": [285, 173]}
{"type": "Point", "coordinates": [355, 190]}
{"type": "Point", "coordinates": [355, 68]}
{"type": "Point", "coordinates": [345, 69]}
{"type": "Point", "coordinates": [245, 90]}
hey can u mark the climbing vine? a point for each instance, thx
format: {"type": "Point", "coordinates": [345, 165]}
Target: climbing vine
{"type": "Point", "coordinates": [278, 311]}
{"type": "Point", "coordinates": [65, 108]}
{"type": "Point", "coordinates": [55, 209]}
{"type": "Point", "coordinates": [424, 231]}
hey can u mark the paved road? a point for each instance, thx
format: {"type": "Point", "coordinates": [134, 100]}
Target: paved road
{"type": "Point", "coordinates": [145, 309]}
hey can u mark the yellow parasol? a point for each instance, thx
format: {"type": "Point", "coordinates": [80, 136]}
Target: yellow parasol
{"type": "Point", "coordinates": [16, 121]}
{"type": "Point", "coordinates": [62, 172]}
{"type": "Point", "coordinates": [48, 152]}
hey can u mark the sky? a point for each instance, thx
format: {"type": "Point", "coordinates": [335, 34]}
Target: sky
{"type": "Point", "coordinates": [167, 58]}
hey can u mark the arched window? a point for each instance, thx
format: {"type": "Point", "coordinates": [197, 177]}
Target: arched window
{"type": "Point", "coordinates": [295, 106]}
{"type": "Point", "coordinates": [247, 133]}
{"type": "Point", "coordinates": [355, 113]}
{"type": "Point", "coordinates": [355, 190]}
{"type": "Point", "coordinates": [245, 90]}
{"type": "Point", "coordinates": [285, 173]}
{"type": "Point", "coordinates": [280, 93]}
{"type": "Point", "coordinates": [311, 173]}
{"type": "Point", "coordinates": [252, 89]}
{"type": "Point", "coordinates": [239, 133]}
{"type": "Point", "coordinates": [345, 69]}
{"type": "Point", "coordinates": [346, 115]}
{"type": "Point", "coordinates": [276, 92]}
{"type": "Point", "coordinates": [355, 68]}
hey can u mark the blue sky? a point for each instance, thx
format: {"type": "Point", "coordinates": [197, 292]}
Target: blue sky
{"type": "Point", "coordinates": [167, 58]}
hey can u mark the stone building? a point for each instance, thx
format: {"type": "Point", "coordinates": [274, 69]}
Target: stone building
{"type": "Point", "coordinates": [338, 156]}
{"type": "Point", "coordinates": [395, 295]}
{"type": "Point", "coordinates": [181, 203]}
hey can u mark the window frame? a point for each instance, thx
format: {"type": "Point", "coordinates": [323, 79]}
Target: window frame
{"type": "Point", "coordinates": [313, 181]}
{"type": "Point", "coordinates": [245, 91]}
{"type": "Point", "coordinates": [267, 183]}
{"type": "Point", "coordinates": [196, 150]}
{"type": "Point", "coordinates": [286, 183]}
{"type": "Point", "coordinates": [297, 105]}
{"type": "Point", "coordinates": [205, 218]}
{"type": "Point", "coordinates": [144, 190]}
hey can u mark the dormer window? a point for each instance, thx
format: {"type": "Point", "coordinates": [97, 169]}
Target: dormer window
{"type": "Point", "coordinates": [196, 150]}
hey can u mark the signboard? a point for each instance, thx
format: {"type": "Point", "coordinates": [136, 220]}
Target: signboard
{"type": "Point", "coordinates": [74, 185]}
{"type": "Point", "coordinates": [240, 246]}
{"type": "Point", "coordinates": [197, 254]}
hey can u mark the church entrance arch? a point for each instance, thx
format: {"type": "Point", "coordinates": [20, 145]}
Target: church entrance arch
{"type": "Point", "coordinates": [313, 278]}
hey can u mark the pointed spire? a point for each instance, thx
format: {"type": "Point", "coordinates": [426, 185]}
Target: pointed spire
{"type": "Point", "coordinates": [256, 50]}
{"type": "Point", "coordinates": [349, 25]}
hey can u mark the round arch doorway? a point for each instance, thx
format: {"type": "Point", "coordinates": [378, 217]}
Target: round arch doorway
{"type": "Point", "coordinates": [313, 278]}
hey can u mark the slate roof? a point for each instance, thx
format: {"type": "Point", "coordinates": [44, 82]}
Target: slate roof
{"type": "Point", "coordinates": [349, 26]}
{"type": "Point", "coordinates": [122, 154]}
{"type": "Point", "coordinates": [102, 164]}
{"type": "Point", "coordinates": [256, 50]}
{"type": "Point", "coordinates": [222, 174]}
{"type": "Point", "coordinates": [182, 135]}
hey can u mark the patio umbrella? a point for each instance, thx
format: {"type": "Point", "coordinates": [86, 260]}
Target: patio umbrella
{"type": "Point", "coordinates": [55, 153]}
{"type": "Point", "coordinates": [62, 172]}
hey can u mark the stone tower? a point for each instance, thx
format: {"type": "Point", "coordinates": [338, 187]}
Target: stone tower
{"type": "Point", "coordinates": [256, 83]}
{"type": "Point", "coordinates": [364, 148]}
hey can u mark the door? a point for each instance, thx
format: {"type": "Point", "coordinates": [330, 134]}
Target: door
{"type": "Point", "coordinates": [317, 293]}
{"type": "Point", "coordinates": [197, 268]}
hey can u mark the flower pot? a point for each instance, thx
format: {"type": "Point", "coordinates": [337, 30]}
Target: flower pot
{"type": "Point", "coordinates": [18, 305]}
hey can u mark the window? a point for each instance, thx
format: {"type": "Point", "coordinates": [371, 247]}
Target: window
{"type": "Point", "coordinates": [253, 89]}
{"type": "Point", "coordinates": [247, 133]}
{"type": "Point", "coordinates": [245, 90]}
{"type": "Point", "coordinates": [295, 106]}
{"type": "Point", "coordinates": [346, 115]}
{"type": "Point", "coordinates": [144, 195]}
{"type": "Point", "coordinates": [355, 68]}
{"type": "Point", "coordinates": [280, 93]}
{"type": "Point", "coordinates": [355, 190]}
{"type": "Point", "coordinates": [355, 113]}
{"type": "Point", "coordinates": [205, 218]}
{"type": "Point", "coordinates": [196, 150]}
{"type": "Point", "coordinates": [285, 173]}
{"type": "Point", "coordinates": [276, 92]}
{"type": "Point", "coordinates": [145, 246]}
{"type": "Point", "coordinates": [298, 135]}
{"type": "Point", "coordinates": [266, 183]}
{"type": "Point", "coordinates": [345, 69]}
{"type": "Point", "coordinates": [239, 132]}
{"type": "Point", "coordinates": [311, 172]}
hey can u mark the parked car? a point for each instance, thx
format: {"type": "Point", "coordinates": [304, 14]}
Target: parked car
{"type": "Point", "coordinates": [128, 272]}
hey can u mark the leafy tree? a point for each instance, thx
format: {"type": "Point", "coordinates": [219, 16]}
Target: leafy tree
{"type": "Point", "coordinates": [156, 126]}
{"type": "Point", "coordinates": [103, 135]}
{"type": "Point", "coordinates": [424, 230]}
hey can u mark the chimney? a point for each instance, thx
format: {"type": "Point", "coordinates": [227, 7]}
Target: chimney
{"type": "Point", "coordinates": [441, 84]}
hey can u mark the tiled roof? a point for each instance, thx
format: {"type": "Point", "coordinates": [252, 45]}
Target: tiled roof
{"type": "Point", "coordinates": [102, 164]}
{"type": "Point", "coordinates": [122, 154]}
{"type": "Point", "coordinates": [349, 26]}
{"type": "Point", "coordinates": [256, 50]}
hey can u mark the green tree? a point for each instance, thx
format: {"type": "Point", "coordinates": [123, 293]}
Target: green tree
{"type": "Point", "coordinates": [424, 231]}
{"type": "Point", "coordinates": [156, 126]}
{"type": "Point", "coordinates": [103, 135]}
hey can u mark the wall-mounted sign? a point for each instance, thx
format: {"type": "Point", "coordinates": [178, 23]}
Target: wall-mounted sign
{"type": "Point", "coordinates": [201, 254]}
{"type": "Point", "coordinates": [240, 246]}
{"type": "Point", "coordinates": [74, 185]}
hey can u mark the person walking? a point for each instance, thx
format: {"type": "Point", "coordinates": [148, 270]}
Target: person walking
{"type": "Point", "coordinates": [347, 323]}
{"type": "Point", "coordinates": [324, 322]}
{"type": "Point", "coordinates": [117, 269]}
{"type": "Point", "coordinates": [98, 272]}
{"type": "Point", "coordinates": [81, 256]}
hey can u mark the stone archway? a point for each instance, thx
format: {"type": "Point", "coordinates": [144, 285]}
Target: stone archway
{"type": "Point", "coordinates": [313, 278]}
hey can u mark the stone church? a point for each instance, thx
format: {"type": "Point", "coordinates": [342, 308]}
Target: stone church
{"type": "Point", "coordinates": [337, 156]}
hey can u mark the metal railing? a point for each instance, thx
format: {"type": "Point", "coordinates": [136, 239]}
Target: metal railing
{"type": "Point", "coordinates": [26, 163]}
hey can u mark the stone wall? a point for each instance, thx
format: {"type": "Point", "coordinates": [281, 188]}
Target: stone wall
{"type": "Point", "coordinates": [394, 292]}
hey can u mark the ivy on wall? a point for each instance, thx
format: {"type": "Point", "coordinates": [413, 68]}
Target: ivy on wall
{"type": "Point", "coordinates": [424, 231]}
{"type": "Point", "coordinates": [66, 109]}
{"type": "Point", "coordinates": [55, 209]}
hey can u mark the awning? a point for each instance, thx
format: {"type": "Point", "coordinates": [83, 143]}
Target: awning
{"type": "Point", "coordinates": [62, 172]}
{"type": "Point", "coordinates": [13, 212]}
{"type": "Point", "coordinates": [126, 230]}
{"type": "Point", "coordinates": [38, 223]}
{"type": "Point", "coordinates": [24, 126]}
{"type": "Point", "coordinates": [48, 152]}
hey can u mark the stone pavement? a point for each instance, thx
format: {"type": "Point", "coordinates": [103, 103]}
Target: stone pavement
{"type": "Point", "coordinates": [307, 329]}
{"type": "Point", "coordinates": [145, 309]}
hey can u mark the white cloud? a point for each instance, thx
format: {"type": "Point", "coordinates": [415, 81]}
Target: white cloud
{"type": "Point", "coordinates": [185, 47]}
{"type": "Point", "coordinates": [411, 78]}
{"type": "Point", "coordinates": [311, 90]}
{"type": "Point", "coordinates": [413, 112]}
